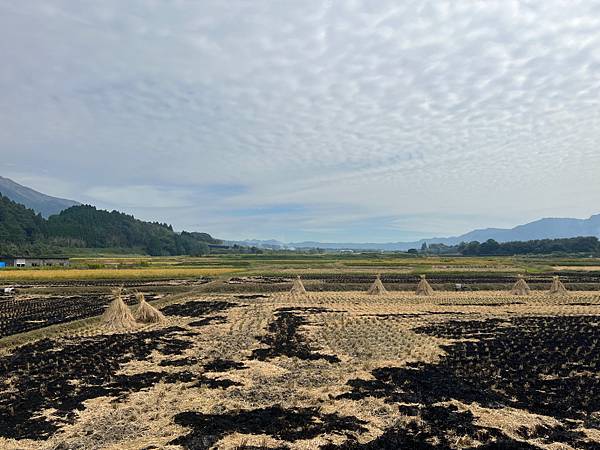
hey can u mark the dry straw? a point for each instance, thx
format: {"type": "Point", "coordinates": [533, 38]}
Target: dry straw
{"type": "Point", "coordinates": [118, 316]}
{"type": "Point", "coordinates": [557, 287]}
{"type": "Point", "coordinates": [298, 287]}
{"type": "Point", "coordinates": [377, 288]}
{"type": "Point", "coordinates": [520, 287]}
{"type": "Point", "coordinates": [424, 288]}
{"type": "Point", "coordinates": [146, 313]}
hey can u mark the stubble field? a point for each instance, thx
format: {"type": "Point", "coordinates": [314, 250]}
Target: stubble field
{"type": "Point", "coordinates": [330, 370]}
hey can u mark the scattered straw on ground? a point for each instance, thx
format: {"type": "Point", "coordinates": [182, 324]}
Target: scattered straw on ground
{"type": "Point", "coordinates": [362, 330]}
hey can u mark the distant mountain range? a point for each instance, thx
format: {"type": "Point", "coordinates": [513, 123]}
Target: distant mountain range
{"type": "Point", "coordinates": [549, 228]}
{"type": "Point", "coordinates": [41, 203]}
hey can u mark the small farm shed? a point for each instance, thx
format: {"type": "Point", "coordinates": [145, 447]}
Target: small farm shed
{"type": "Point", "coordinates": [26, 261]}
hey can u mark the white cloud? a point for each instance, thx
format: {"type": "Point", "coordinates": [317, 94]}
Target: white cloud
{"type": "Point", "coordinates": [486, 109]}
{"type": "Point", "coordinates": [139, 197]}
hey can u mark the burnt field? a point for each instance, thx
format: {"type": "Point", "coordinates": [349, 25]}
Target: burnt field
{"type": "Point", "coordinates": [26, 312]}
{"type": "Point", "coordinates": [331, 370]}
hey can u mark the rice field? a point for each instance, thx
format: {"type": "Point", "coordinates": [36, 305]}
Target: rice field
{"type": "Point", "coordinates": [321, 370]}
{"type": "Point", "coordinates": [54, 274]}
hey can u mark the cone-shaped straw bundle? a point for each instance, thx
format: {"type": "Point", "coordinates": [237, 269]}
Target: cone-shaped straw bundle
{"type": "Point", "coordinates": [557, 287]}
{"type": "Point", "coordinates": [298, 287]}
{"type": "Point", "coordinates": [118, 316]}
{"type": "Point", "coordinates": [520, 287]}
{"type": "Point", "coordinates": [424, 288]}
{"type": "Point", "coordinates": [377, 288]}
{"type": "Point", "coordinates": [146, 313]}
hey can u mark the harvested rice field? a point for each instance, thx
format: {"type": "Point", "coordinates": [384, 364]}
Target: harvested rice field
{"type": "Point", "coordinates": [321, 370]}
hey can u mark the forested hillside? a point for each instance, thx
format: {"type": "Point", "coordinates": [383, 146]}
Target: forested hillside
{"type": "Point", "coordinates": [19, 224]}
{"type": "Point", "coordinates": [22, 231]}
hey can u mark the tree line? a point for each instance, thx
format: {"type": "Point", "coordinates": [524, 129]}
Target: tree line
{"type": "Point", "coordinates": [491, 247]}
{"type": "Point", "coordinates": [586, 244]}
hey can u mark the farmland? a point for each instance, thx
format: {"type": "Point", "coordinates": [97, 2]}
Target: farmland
{"type": "Point", "coordinates": [108, 274]}
{"type": "Point", "coordinates": [242, 364]}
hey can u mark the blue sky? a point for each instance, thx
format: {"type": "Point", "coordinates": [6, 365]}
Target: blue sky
{"type": "Point", "coordinates": [306, 120]}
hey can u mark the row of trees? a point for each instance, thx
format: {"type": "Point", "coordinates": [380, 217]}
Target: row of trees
{"type": "Point", "coordinates": [24, 232]}
{"type": "Point", "coordinates": [588, 245]}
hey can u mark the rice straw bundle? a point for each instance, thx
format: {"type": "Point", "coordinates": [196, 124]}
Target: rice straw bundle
{"type": "Point", "coordinates": [118, 316]}
{"type": "Point", "coordinates": [424, 288]}
{"type": "Point", "coordinates": [377, 288]}
{"type": "Point", "coordinates": [520, 287]}
{"type": "Point", "coordinates": [146, 313]}
{"type": "Point", "coordinates": [557, 287]}
{"type": "Point", "coordinates": [298, 287]}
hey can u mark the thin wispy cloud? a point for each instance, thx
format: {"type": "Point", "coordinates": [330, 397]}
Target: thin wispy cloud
{"type": "Point", "coordinates": [352, 120]}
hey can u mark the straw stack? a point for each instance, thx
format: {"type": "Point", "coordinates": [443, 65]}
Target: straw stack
{"type": "Point", "coordinates": [298, 287]}
{"type": "Point", "coordinates": [146, 313]}
{"type": "Point", "coordinates": [424, 288]}
{"type": "Point", "coordinates": [557, 287]}
{"type": "Point", "coordinates": [377, 288]}
{"type": "Point", "coordinates": [520, 287]}
{"type": "Point", "coordinates": [118, 316]}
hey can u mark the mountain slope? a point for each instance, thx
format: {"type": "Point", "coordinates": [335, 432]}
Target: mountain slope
{"type": "Point", "coordinates": [22, 231]}
{"type": "Point", "coordinates": [40, 203]}
{"type": "Point", "coordinates": [548, 228]}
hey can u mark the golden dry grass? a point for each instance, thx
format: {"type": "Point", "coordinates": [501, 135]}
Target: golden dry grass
{"type": "Point", "coordinates": [112, 274]}
{"type": "Point", "coordinates": [578, 268]}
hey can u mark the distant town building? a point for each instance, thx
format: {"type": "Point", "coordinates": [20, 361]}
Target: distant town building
{"type": "Point", "coordinates": [26, 261]}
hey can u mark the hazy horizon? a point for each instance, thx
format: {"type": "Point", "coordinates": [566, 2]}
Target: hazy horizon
{"type": "Point", "coordinates": [334, 122]}
{"type": "Point", "coordinates": [423, 238]}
